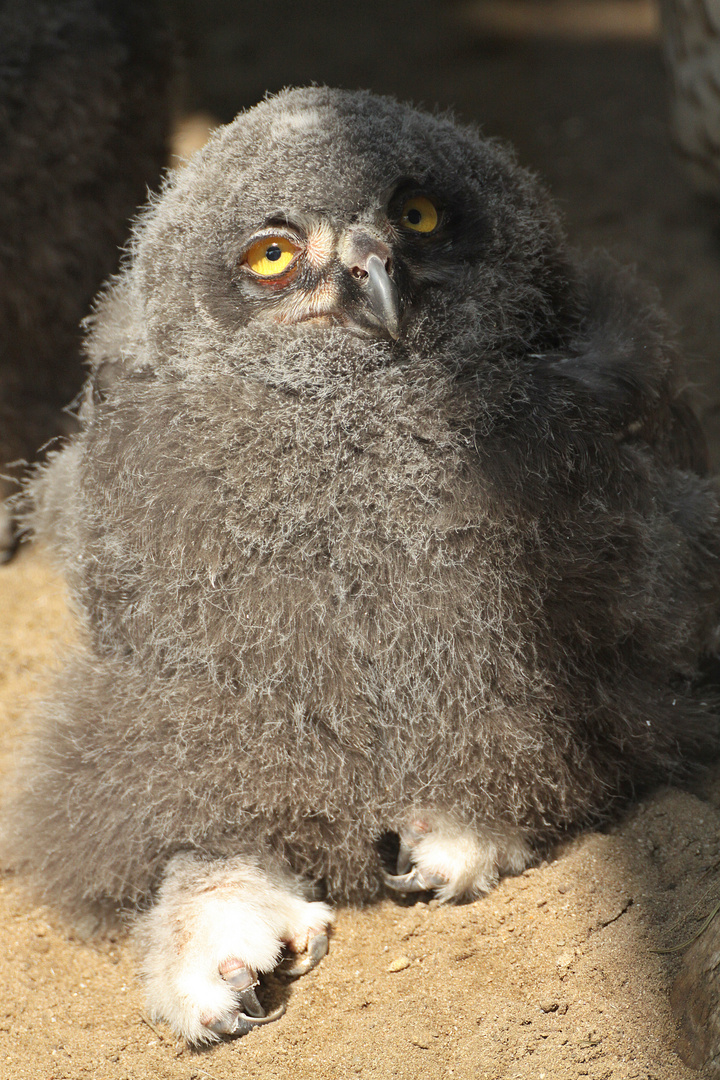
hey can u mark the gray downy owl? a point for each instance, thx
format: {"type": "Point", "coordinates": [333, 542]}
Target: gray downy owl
{"type": "Point", "coordinates": [387, 516]}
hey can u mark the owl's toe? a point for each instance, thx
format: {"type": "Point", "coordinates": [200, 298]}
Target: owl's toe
{"type": "Point", "coordinates": [248, 1014]}
{"type": "Point", "coordinates": [414, 880]}
{"type": "Point", "coordinates": [243, 980]}
{"type": "Point", "coordinates": [438, 854]}
{"type": "Point", "coordinates": [317, 948]}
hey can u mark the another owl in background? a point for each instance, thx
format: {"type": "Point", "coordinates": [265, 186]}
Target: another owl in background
{"type": "Point", "coordinates": [85, 101]}
{"type": "Point", "coordinates": [387, 516]}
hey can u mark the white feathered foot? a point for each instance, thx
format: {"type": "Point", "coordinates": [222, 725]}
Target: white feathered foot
{"type": "Point", "coordinates": [438, 854]}
{"type": "Point", "coordinates": [216, 926]}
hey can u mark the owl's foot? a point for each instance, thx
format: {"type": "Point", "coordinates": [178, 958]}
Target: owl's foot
{"type": "Point", "coordinates": [216, 926]}
{"type": "Point", "coordinates": [456, 862]}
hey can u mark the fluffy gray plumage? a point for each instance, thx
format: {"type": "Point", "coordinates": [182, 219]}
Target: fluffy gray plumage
{"type": "Point", "coordinates": [331, 576]}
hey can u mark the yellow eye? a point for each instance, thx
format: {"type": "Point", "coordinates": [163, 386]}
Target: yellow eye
{"type": "Point", "coordinates": [271, 255]}
{"type": "Point", "coordinates": [419, 214]}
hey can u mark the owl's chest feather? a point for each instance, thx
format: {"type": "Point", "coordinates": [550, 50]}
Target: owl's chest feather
{"type": "Point", "coordinates": [258, 516]}
{"type": "Point", "coordinates": [362, 468]}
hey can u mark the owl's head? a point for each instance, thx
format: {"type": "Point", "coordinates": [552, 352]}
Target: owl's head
{"type": "Point", "coordinates": [324, 208]}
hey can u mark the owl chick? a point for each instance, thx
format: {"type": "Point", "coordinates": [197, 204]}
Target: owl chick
{"type": "Point", "coordinates": [387, 515]}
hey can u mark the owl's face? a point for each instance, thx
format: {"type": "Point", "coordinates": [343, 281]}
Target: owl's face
{"type": "Point", "coordinates": [362, 273]}
{"type": "Point", "coordinates": [330, 209]}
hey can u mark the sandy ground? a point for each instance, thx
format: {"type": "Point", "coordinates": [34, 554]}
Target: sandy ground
{"type": "Point", "coordinates": [555, 975]}
{"type": "Point", "coordinates": [559, 973]}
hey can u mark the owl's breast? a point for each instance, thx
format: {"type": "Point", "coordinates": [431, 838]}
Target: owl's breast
{"type": "Point", "coordinates": [349, 483]}
{"type": "Point", "coordinates": [252, 522]}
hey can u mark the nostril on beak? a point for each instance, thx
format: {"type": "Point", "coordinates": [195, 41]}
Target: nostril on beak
{"type": "Point", "coordinates": [368, 260]}
{"type": "Point", "coordinates": [360, 272]}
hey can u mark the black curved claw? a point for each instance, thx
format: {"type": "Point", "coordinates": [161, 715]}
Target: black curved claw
{"type": "Point", "coordinates": [250, 1013]}
{"type": "Point", "coordinates": [250, 1004]}
{"type": "Point", "coordinates": [317, 949]}
{"type": "Point", "coordinates": [413, 881]}
{"type": "Point", "coordinates": [241, 1024]}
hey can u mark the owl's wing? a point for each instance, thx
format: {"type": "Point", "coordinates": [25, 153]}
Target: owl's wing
{"type": "Point", "coordinates": [620, 364]}
{"type": "Point", "coordinates": [116, 342]}
{"type": "Point", "coordinates": [686, 442]}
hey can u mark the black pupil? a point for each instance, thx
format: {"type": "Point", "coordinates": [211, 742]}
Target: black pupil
{"type": "Point", "coordinates": [414, 216]}
{"type": "Point", "coordinates": [273, 253]}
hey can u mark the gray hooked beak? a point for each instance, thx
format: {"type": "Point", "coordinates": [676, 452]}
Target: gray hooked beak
{"type": "Point", "coordinates": [382, 296]}
{"type": "Point", "coordinates": [367, 257]}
